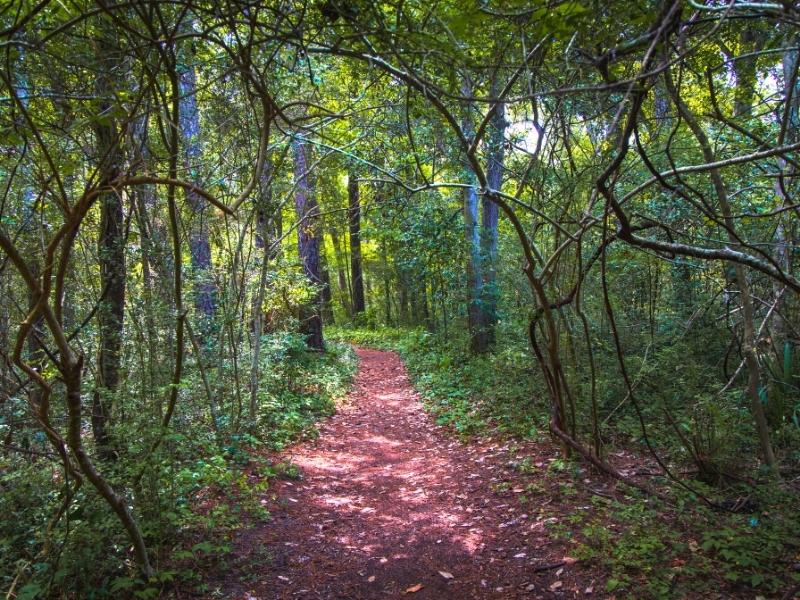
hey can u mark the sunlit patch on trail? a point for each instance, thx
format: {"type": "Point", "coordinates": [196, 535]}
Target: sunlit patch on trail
{"type": "Point", "coordinates": [387, 503]}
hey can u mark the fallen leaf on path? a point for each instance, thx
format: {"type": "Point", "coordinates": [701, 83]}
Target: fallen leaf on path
{"type": "Point", "coordinates": [371, 578]}
{"type": "Point", "coordinates": [414, 588]}
{"type": "Point", "coordinates": [568, 560]}
{"type": "Point", "coordinates": [555, 585]}
{"type": "Point", "coordinates": [446, 575]}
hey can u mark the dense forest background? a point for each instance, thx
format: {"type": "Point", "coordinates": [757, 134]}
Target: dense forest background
{"type": "Point", "coordinates": [574, 219]}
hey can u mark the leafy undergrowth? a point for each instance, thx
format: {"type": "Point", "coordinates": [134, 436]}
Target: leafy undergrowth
{"type": "Point", "coordinates": [195, 493]}
{"type": "Point", "coordinates": [687, 549]}
{"type": "Point", "coordinates": [496, 393]}
{"type": "Point", "coordinates": [297, 390]}
{"type": "Point", "coordinates": [639, 547]}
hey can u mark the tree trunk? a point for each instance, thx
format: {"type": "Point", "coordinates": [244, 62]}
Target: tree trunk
{"type": "Point", "coordinates": [119, 504]}
{"type": "Point", "coordinates": [748, 333]}
{"type": "Point", "coordinates": [111, 257]}
{"type": "Point", "coordinates": [387, 292]}
{"type": "Point", "coordinates": [785, 187]}
{"type": "Point", "coordinates": [308, 242]}
{"type": "Point", "coordinates": [428, 308]}
{"type": "Point", "coordinates": [403, 309]}
{"type": "Point", "coordinates": [751, 40]}
{"type": "Point", "coordinates": [479, 340]}
{"type": "Point", "coordinates": [327, 296]}
{"type": "Point", "coordinates": [5, 321]}
{"type": "Point", "coordinates": [34, 346]}
{"type": "Point", "coordinates": [341, 275]}
{"type": "Point", "coordinates": [268, 224]}
{"type": "Point", "coordinates": [154, 368]}
{"type": "Point", "coordinates": [354, 219]}
{"type": "Point", "coordinates": [144, 202]}
{"type": "Point", "coordinates": [489, 233]}
{"type": "Point", "coordinates": [205, 288]}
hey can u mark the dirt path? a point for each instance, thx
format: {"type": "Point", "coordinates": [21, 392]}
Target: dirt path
{"type": "Point", "coordinates": [391, 506]}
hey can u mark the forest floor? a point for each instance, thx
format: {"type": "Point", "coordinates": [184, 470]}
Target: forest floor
{"type": "Point", "coordinates": [388, 504]}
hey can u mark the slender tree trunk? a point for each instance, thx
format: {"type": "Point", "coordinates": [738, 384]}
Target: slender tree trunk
{"type": "Point", "coordinates": [111, 255]}
{"type": "Point", "coordinates": [404, 313]}
{"type": "Point", "coordinates": [414, 303]}
{"type": "Point", "coordinates": [354, 218]}
{"type": "Point", "coordinates": [34, 346]}
{"type": "Point", "coordinates": [785, 187]}
{"type": "Point", "coordinates": [327, 296]}
{"type": "Point", "coordinates": [205, 288]}
{"type": "Point", "coordinates": [443, 303]}
{"type": "Point", "coordinates": [490, 213]}
{"type": "Point", "coordinates": [341, 275]}
{"type": "Point", "coordinates": [387, 293]}
{"type": "Point", "coordinates": [267, 236]}
{"type": "Point", "coordinates": [748, 333]}
{"type": "Point", "coordinates": [308, 242]}
{"type": "Point", "coordinates": [751, 41]}
{"type": "Point", "coordinates": [117, 502]}
{"type": "Point", "coordinates": [153, 379]}
{"type": "Point", "coordinates": [5, 321]}
{"type": "Point", "coordinates": [479, 338]}
{"type": "Point", "coordinates": [428, 309]}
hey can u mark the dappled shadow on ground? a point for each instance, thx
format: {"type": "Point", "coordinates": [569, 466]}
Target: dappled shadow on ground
{"type": "Point", "coordinates": [389, 506]}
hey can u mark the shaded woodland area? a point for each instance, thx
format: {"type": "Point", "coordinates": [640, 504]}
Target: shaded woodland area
{"type": "Point", "coordinates": [577, 222]}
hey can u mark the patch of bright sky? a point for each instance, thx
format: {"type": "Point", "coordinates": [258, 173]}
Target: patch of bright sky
{"type": "Point", "coordinates": [522, 134]}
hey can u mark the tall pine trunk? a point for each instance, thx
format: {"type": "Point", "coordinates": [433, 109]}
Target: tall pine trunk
{"type": "Point", "coordinates": [354, 219]}
{"type": "Point", "coordinates": [489, 225]}
{"type": "Point", "coordinates": [341, 275]}
{"type": "Point", "coordinates": [308, 242]}
{"type": "Point", "coordinates": [327, 295]}
{"type": "Point", "coordinates": [785, 187]}
{"type": "Point", "coordinates": [205, 288]}
{"type": "Point", "coordinates": [476, 317]}
{"type": "Point", "coordinates": [110, 250]}
{"type": "Point", "coordinates": [268, 225]}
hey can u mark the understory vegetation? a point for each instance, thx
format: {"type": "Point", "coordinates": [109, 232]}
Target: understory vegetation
{"type": "Point", "coordinates": [646, 547]}
{"type": "Point", "coordinates": [193, 493]}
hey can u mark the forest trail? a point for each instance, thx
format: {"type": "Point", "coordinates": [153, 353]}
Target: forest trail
{"type": "Point", "coordinates": [391, 506]}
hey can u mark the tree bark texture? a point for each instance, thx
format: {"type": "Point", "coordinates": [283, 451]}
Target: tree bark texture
{"type": "Point", "coordinates": [205, 288]}
{"type": "Point", "coordinates": [354, 219]}
{"type": "Point", "coordinates": [308, 243]}
{"type": "Point", "coordinates": [490, 214]}
{"type": "Point", "coordinates": [111, 255]}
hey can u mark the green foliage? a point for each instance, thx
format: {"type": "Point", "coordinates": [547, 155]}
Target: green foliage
{"type": "Point", "coordinates": [648, 328]}
{"type": "Point", "coordinates": [470, 394]}
{"type": "Point", "coordinates": [653, 551]}
{"type": "Point", "coordinates": [645, 549]}
{"type": "Point", "coordinates": [299, 387]}
{"type": "Point", "coordinates": [193, 487]}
